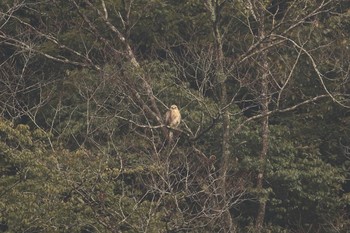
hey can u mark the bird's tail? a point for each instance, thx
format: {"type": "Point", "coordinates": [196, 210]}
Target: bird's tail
{"type": "Point", "coordinates": [171, 135]}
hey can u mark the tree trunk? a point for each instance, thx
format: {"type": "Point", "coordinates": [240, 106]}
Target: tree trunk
{"type": "Point", "coordinates": [264, 144]}
{"type": "Point", "coordinates": [263, 65]}
{"type": "Point", "coordinates": [214, 7]}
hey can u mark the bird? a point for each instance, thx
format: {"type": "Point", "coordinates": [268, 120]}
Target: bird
{"type": "Point", "coordinates": [172, 118]}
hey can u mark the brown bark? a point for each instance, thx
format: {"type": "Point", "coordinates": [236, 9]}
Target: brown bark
{"type": "Point", "coordinates": [264, 145]}
{"type": "Point", "coordinates": [214, 7]}
{"type": "Point", "coordinates": [263, 64]}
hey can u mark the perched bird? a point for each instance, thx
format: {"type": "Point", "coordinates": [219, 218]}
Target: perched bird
{"type": "Point", "coordinates": [172, 118]}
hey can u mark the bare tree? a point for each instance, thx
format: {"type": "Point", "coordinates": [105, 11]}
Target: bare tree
{"type": "Point", "coordinates": [270, 31]}
{"type": "Point", "coordinates": [191, 187]}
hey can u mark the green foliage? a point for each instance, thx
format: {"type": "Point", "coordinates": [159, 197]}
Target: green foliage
{"type": "Point", "coordinates": [55, 191]}
{"type": "Point", "coordinates": [80, 151]}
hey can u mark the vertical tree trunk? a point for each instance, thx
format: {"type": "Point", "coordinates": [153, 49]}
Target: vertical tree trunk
{"type": "Point", "coordinates": [214, 7]}
{"type": "Point", "coordinates": [264, 144]}
{"type": "Point", "coordinates": [263, 65]}
{"type": "Point", "coordinates": [220, 79]}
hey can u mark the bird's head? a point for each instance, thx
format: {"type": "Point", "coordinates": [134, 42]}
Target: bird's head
{"type": "Point", "coordinates": [173, 107]}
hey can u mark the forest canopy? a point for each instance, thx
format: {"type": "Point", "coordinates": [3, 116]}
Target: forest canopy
{"type": "Point", "coordinates": [263, 88]}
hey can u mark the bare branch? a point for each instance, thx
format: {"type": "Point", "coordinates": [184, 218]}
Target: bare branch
{"type": "Point", "coordinates": [314, 65]}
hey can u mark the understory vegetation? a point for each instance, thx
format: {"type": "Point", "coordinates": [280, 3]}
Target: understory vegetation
{"type": "Point", "coordinates": [263, 88]}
